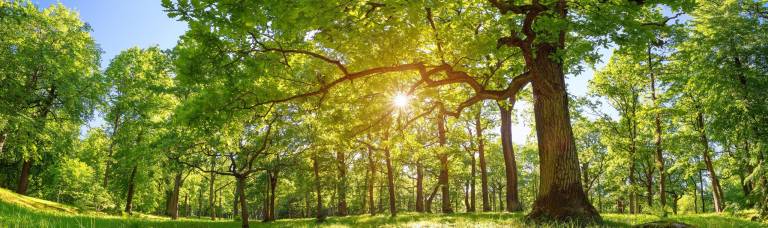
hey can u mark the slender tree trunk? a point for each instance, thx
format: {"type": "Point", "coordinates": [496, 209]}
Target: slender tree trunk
{"type": "Point", "coordinates": [695, 196]}
{"type": "Point", "coordinates": [186, 205]}
{"type": "Point", "coordinates": [419, 186]}
{"type": "Point", "coordinates": [717, 192]}
{"type": "Point", "coordinates": [243, 202]}
{"type": "Point", "coordinates": [465, 190]}
{"type": "Point", "coordinates": [43, 114]}
{"type": "Point", "coordinates": [131, 186]}
{"type": "Point", "coordinates": [561, 195]}
{"type": "Point", "coordinates": [272, 193]}
{"type": "Point", "coordinates": [431, 197]}
{"type": "Point", "coordinates": [342, 188]}
{"type": "Point", "coordinates": [443, 157]}
{"type": "Point", "coordinates": [473, 172]}
{"type": "Point", "coordinates": [3, 136]}
{"type": "Point", "coordinates": [173, 202]}
{"type": "Point", "coordinates": [620, 205]}
{"type": "Point", "coordinates": [236, 201]}
{"type": "Point", "coordinates": [269, 207]}
{"type": "Point", "coordinates": [320, 211]}
{"type": "Point", "coordinates": [633, 200]}
{"type": "Point", "coordinates": [390, 184]}
{"type": "Point", "coordinates": [115, 125]}
{"type": "Point", "coordinates": [307, 207]}
{"type": "Point", "coordinates": [599, 196]}
{"type": "Point", "coordinates": [657, 120]}
{"type": "Point", "coordinates": [648, 185]}
{"type": "Point", "coordinates": [481, 157]}
{"type": "Point", "coordinates": [265, 208]}
{"type": "Point", "coordinates": [499, 192]}
{"type": "Point", "coordinates": [21, 188]}
{"type": "Point", "coordinates": [492, 196]}
{"type": "Point", "coordinates": [211, 194]}
{"type": "Point", "coordinates": [510, 165]}
{"type": "Point", "coordinates": [372, 180]}
{"type": "Point", "coordinates": [199, 211]}
{"type": "Point", "coordinates": [219, 196]}
{"type": "Point", "coordinates": [381, 199]}
{"type": "Point", "coordinates": [703, 202]}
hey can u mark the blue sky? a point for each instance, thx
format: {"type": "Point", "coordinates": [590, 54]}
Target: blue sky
{"type": "Point", "coordinates": [122, 24]}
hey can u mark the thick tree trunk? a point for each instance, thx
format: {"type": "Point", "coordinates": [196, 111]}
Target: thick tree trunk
{"type": "Point", "coordinates": [561, 195]}
{"type": "Point", "coordinates": [717, 192]}
{"type": "Point", "coordinates": [243, 202]}
{"type": "Point", "coordinates": [372, 180]}
{"type": "Point", "coordinates": [443, 157]}
{"type": "Point", "coordinates": [342, 188]}
{"type": "Point", "coordinates": [419, 186]}
{"type": "Point", "coordinates": [481, 157]}
{"type": "Point", "coordinates": [390, 184]}
{"type": "Point", "coordinates": [657, 120]}
{"type": "Point", "coordinates": [21, 188]}
{"type": "Point", "coordinates": [131, 187]}
{"type": "Point", "coordinates": [510, 165]}
{"type": "Point", "coordinates": [173, 202]}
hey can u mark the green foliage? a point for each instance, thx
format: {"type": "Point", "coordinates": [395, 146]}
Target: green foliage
{"type": "Point", "coordinates": [302, 91]}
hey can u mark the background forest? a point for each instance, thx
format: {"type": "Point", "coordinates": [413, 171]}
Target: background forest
{"type": "Point", "coordinates": [270, 110]}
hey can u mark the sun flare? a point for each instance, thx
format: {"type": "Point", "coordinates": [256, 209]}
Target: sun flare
{"type": "Point", "coordinates": [401, 100]}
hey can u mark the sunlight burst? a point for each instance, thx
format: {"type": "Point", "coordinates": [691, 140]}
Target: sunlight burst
{"type": "Point", "coordinates": [401, 100]}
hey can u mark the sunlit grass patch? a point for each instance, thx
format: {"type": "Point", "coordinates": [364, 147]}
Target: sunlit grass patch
{"type": "Point", "coordinates": [15, 215]}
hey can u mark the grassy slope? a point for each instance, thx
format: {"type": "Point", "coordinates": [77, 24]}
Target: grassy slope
{"type": "Point", "coordinates": [22, 211]}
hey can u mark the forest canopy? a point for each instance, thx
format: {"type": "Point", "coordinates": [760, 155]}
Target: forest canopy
{"type": "Point", "coordinates": [288, 109]}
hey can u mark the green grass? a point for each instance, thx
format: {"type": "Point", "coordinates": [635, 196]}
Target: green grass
{"type": "Point", "coordinates": [22, 211]}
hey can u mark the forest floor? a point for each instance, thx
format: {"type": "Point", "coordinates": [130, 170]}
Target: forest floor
{"type": "Point", "coordinates": [23, 211]}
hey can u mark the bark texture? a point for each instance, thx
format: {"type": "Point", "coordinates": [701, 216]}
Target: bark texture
{"type": "Point", "coordinates": [481, 158]}
{"type": "Point", "coordinates": [561, 195]}
{"type": "Point", "coordinates": [131, 187]}
{"type": "Point", "coordinates": [21, 187]}
{"type": "Point", "coordinates": [419, 186]}
{"type": "Point", "coordinates": [443, 157]}
{"type": "Point", "coordinates": [510, 165]}
{"type": "Point", "coordinates": [173, 202]}
{"type": "Point", "coordinates": [717, 191]}
{"type": "Point", "coordinates": [243, 203]}
{"type": "Point", "coordinates": [390, 184]}
{"type": "Point", "coordinates": [342, 188]}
